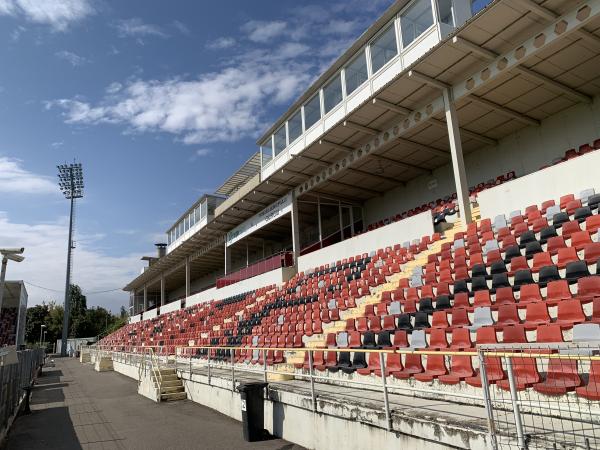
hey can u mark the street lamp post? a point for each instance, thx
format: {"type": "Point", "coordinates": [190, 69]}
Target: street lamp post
{"type": "Point", "coordinates": [70, 181]}
{"type": "Point", "coordinates": [14, 254]}
{"type": "Point", "coordinates": [44, 339]}
{"type": "Point", "coordinates": [42, 326]}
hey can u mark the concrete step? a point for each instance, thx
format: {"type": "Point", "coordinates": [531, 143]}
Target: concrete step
{"type": "Point", "coordinates": [171, 383]}
{"type": "Point", "coordinates": [172, 397]}
{"type": "Point", "coordinates": [164, 378]}
{"type": "Point", "coordinates": [172, 389]}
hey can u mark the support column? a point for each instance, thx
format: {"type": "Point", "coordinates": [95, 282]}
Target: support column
{"type": "Point", "coordinates": [319, 221]}
{"type": "Point", "coordinates": [341, 220]}
{"type": "Point", "coordinates": [163, 297]}
{"type": "Point", "coordinates": [187, 277]}
{"type": "Point", "coordinates": [145, 297]}
{"type": "Point", "coordinates": [295, 229]}
{"type": "Point", "coordinates": [351, 221]}
{"type": "Point", "coordinates": [247, 255]}
{"type": "Point", "coordinates": [227, 259]}
{"type": "Point", "coordinates": [458, 163]}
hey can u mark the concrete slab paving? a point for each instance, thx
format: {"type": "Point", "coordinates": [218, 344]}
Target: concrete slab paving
{"type": "Point", "coordinates": [74, 407]}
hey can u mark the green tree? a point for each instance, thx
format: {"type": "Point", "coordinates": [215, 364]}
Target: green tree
{"type": "Point", "coordinates": [36, 317]}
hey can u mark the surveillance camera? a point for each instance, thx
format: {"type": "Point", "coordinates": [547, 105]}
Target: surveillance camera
{"type": "Point", "coordinates": [13, 257]}
{"type": "Point", "coordinates": [12, 250]}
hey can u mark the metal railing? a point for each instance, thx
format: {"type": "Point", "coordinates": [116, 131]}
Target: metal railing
{"type": "Point", "coordinates": [18, 370]}
{"type": "Point", "coordinates": [517, 417]}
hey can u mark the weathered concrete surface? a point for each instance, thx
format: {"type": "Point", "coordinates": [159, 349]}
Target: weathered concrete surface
{"type": "Point", "coordinates": [75, 407]}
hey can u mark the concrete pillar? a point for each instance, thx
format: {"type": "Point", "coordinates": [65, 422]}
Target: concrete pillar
{"type": "Point", "coordinates": [145, 297]}
{"type": "Point", "coordinates": [163, 297]}
{"type": "Point", "coordinates": [458, 163]}
{"type": "Point", "coordinates": [187, 277]}
{"type": "Point", "coordinates": [319, 221]}
{"type": "Point", "coordinates": [247, 255]}
{"type": "Point", "coordinates": [295, 229]}
{"type": "Point", "coordinates": [352, 221]}
{"type": "Point", "coordinates": [341, 221]}
{"type": "Point", "coordinates": [227, 259]}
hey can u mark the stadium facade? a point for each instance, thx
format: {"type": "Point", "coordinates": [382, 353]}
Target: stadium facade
{"type": "Point", "coordinates": [423, 223]}
{"type": "Point", "coordinates": [436, 100]}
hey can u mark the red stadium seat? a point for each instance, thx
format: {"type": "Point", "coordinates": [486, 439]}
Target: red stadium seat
{"type": "Point", "coordinates": [461, 367]}
{"type": "Point", "coordinates": [435, 367]}
{"type": "Point", "coordinates": [591, 390]}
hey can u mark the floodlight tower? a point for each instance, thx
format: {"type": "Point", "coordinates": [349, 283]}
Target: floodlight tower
{"type": "Point", "coordinates": [70, 181]}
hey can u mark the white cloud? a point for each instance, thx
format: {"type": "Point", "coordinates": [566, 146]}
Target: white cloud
{"type": "Point", "coordinates": [220, 106]}
{"type": "Point", "coordinates": [182, 27]}
{"type": "Point", "coordinates": [58, 14]}
{"type": "Point", "coordinates": [14, 179]}
{"type": "Point", "coordinates": [203, 152]}
{"type": "Point", "coordinates": [57, 144]}
{"type": "Point", "coordinates": [136, 27]}
{"type": "Point", "coordinates": [221, 43]}
{"type": "Point", "coordinates": [261, 31]}
{"type": "Point", "coordinates": [45, 263]}
{"type": "Point", "coordinates": [72, 58]}
{"type": "Point", "coordinates": [113, 88]}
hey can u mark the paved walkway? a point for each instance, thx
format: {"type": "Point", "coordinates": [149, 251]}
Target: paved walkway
{"type": "Point", "coordinates": [75, 407]}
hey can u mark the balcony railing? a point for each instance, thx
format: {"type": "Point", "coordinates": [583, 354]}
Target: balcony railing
{"type": "Point", "coordinates": [284, 259]}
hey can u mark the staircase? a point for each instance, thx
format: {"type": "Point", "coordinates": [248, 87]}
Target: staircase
{"type": "Point", "coordinates": [171, 386]}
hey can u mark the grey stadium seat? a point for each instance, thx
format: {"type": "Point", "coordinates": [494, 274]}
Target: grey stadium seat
{"type": "Point", "coordinates": [482, 317]}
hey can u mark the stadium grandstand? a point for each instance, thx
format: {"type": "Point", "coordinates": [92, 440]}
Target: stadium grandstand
{"type": "Point", "coordinates": [412, 256]}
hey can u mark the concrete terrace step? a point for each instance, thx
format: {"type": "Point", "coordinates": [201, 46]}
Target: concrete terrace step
{"type": "Point", "coordinates": [172, 397]}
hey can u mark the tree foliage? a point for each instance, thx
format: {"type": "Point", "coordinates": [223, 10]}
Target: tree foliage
{"type": "Point", "coordinates": [84, 322]}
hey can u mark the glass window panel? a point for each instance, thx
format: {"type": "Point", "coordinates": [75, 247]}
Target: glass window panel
{"type": "Point", "coordinates": [356, 73]}
{"type": "Point", "coordinates": [204, 209]}
{"type": "Point", "coordinates": [445, 11]}
{"type": "Point", "coordinates": [478, 5]}
{"type": "Point", "coordinates": [312, 112]}
{"type": "Point", "coordinates": [192, 219]}
{"type": "Point", "coordinates": [332, 93]}
{"type": "Point", "coordinates": [267, 153]}
{"type": "Point", "coordinates": [280, 141]}
{"type": "Point", "coordinates": [197, 213]}
{"type": "Point", "coordinates": [295, 126]}
{"type": "Point", "coordinates": [383, 48]}
{"type": "Point", "coordinates": [415, 20]}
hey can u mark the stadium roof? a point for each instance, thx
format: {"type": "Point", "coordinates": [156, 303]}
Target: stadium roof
{"type": "Point", "coordinates": [241, 176]}
{"type": "Point", "coordinates": [399, 133]}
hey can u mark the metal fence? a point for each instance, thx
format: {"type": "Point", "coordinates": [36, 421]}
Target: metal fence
{"type": "Point", "coordinates": [535, 395]}
{"type": "Point", "coordinates": [542, 395]}
{"type": "Point", "coordinates": [17, 371]}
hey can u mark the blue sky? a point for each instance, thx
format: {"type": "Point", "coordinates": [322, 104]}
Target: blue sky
{"type": "Point", "coordinates": [160, 102]}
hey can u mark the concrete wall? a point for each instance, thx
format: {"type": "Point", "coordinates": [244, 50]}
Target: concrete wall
{"type": "Point", "coordinates": [524, 152]}
{"type": "Point", "coordinates": [349, 426]}
{"type": "Point", "coordinates": [173, 306]}
{"type": "Point", "coordinates": [277, 277]}
{"type": "Point", "coordinates": [569, 177]}
{"type": "Point", "coordinates": [396, 233]}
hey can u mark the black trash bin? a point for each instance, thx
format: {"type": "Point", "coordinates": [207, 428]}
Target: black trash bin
{"type": "Point", "coordinates": [253, 410]}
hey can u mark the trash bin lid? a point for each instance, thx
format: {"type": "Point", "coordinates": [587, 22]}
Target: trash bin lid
{"type": "Point", "coordinates": [252, 385]}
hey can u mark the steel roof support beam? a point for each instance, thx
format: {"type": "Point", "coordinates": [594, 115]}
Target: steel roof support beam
{"type": "Point", "coordinates": [470, 134]}
{"type": "Point", "coordinates": [425, 148]}
{"type": "Point", "coordinates": [532, 74]}
{"type": "Point", "coordinates": [163, 297]}
{"type": "Point", "coordinates": [374, 175]}
{"type": "Point", "coordinates": [340, 147]}
{"type": "Point", "coordinates": [563, 26]}
{"type": "Point", "coordinates": [362, 128]}
{"type": "Point", "coordinates": [439, 123]}
{"type": "Point", "coordinates": [399, 163]}
{"type": "Point", "coordinates": [353, 186]}
{"type": "Point", "coordinates": [505, 111]}
{"type": "Point", "coordinates": [547, 14]}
